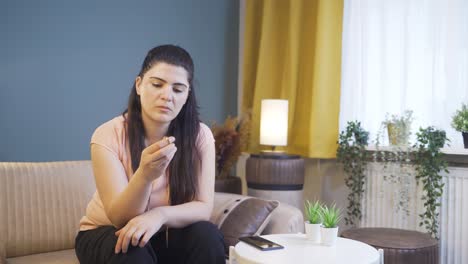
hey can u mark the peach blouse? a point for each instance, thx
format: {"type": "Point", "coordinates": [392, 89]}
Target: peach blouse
{"type": "Point", "coordinates": [112, 136]}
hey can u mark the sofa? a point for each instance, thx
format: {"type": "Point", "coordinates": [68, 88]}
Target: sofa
{"type": "Point", "coordinates": [41, 204]}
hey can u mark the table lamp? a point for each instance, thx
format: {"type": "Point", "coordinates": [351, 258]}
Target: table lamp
{"type": "Point", "coordinates": [274, 123]}
{"type": "Point", "coordinates": [273, 174]}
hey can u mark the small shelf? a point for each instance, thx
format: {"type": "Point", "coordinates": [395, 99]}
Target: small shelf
{"type": "Point", "coordinates": [457, 157]}
{"type": "Point", "coordinates": [448, 151]}
{"type": "Point", "coordinates": [455, 151]}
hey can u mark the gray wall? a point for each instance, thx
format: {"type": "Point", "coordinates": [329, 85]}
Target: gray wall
{"type": "Point", "coordinates": [68, 66]}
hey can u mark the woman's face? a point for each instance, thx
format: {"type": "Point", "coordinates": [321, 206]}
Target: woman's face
{"type": "Point", "coordinates": [163, 92]}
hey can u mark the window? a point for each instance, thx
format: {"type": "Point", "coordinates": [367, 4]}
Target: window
{"type": "Point", "coordinates": [404, 55]}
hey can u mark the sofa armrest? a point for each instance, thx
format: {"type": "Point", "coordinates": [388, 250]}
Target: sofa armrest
{"type": "Point", "coordinates": [285, 219]}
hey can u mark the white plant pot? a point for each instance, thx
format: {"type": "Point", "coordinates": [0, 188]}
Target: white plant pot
{"type": "Point", "coordinates": [328, 236]}
{"type": "Point", "coordinates": [312, 231]}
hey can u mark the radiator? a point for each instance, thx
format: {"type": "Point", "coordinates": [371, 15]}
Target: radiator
{"type": "Point", "coordinates": [381, 208]}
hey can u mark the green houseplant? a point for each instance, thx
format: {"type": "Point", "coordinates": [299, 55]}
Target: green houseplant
{"type": "Point", "coordinates": [397, 170]}
{"type": "Point", "coordinates": [230, 139]}
{"type": "Point", "coordinates": [313, 212]}
{"type": "Point", "coordinates": [329, 230]}
{"type": "Point", "coordinates": [399, 128]}
{"type": "Point", "coordinates": [331, 216]}
{"type": "Point", "coordinates": [429, 165]}
{"type": "Point", "coordinates": [460, 123]}
{"type": "Point", "coordinates": [352, 154]}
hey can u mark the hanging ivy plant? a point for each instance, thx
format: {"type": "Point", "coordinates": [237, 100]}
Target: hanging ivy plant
{"type": "Point", "coordinates": [396, 170]}
{"type": "Point", "coordinates": [353, 155]}
{"type": "Point", "coordinates": [429, 165]}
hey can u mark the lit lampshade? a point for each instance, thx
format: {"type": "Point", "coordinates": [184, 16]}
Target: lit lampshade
{"type": "Point", "coordinates": [274, 122]}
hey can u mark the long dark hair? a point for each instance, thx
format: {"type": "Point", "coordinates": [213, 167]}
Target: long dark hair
{"type": "Point", "coordinates": [183, 183]}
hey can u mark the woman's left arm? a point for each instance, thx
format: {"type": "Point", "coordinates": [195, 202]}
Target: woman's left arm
{"type": "Point", "coordinates": [140, 229]}
{"type": "Point", "coordinates": [178, 216]}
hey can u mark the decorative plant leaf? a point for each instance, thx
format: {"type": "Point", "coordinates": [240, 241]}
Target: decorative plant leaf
{"type": "Point", "coordinates": [352, 154]}
{"type": "Point", "coordinates": [460, 119]}
{"type": "Point", "coordinates": [429, 163]}
{"type": "Point", "coordinates": [396, 164]}
{"type": "Point", "coordinates": [331, 216]}
{"type": "Point", "coordinates": [313, 212]}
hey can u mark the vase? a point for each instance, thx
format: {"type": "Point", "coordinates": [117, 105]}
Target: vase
{"type": "Point", "coordinates": [465, 139]}
{"type": "Point", "coordinates": [398, 135]}
{"type": "Point", "coordinates": [312, 231]}
{"type": "Point", "coordinates": [328, 235]}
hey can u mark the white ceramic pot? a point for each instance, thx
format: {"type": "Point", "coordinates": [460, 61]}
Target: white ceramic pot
{"type": "Point", "coordinates": [328, 235]}
{"type": "Point", "coordinates": [312, 231]}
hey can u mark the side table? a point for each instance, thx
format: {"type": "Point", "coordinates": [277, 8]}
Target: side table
{"type": "Point", "coordinates": [299, 250]}
{"type": "Point", "coordinates": [400, 246]}
{"type": "Point", "coordinates": [276, 177]}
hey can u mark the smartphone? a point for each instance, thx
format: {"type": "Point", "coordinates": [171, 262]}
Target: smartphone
{"type": "Point", "coordinates": [260, 243]}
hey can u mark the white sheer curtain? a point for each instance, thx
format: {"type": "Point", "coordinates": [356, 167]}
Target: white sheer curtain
{"type": "Point", "coordinates": [404, 54]}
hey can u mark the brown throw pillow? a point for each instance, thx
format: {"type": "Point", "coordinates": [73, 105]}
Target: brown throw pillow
{"type": "Point", "coordinates": [247, 216]}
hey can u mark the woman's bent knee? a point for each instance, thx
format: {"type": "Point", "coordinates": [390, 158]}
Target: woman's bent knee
{"type": "Point", "coordinates": [98, 246]}
{"type": "Point", "coordinates": [136, 254]}
{"type": "Point", "coordinates": [205, 238]}
{"type": "Point", "coordinates": [203, 228]}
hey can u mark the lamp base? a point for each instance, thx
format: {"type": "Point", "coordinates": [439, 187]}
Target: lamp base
{"type": "Point", "coordinates": [272, 152]}
{"type": "Point", "coordinates": [277, 154]}
{"type": "Point", "coordinates": [274, 174]}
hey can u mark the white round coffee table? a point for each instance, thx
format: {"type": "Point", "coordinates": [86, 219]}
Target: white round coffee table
{"type": "Point", "coordinates": [297, 250]}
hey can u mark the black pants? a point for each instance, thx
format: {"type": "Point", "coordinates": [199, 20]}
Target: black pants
{"type": "Point", "coordinates": [200, 242]}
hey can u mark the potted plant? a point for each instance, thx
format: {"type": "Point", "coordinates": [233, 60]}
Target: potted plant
{"type": "Point", "coordinates": [352, 154]}
{"type": "Point", "coordinates": [399, 128]}
{"type": "Point", "coordinates": [460, 123]}
{"type": "Point", "coordinates": [329, 229]}
{"type": "Point", "coordinates": [429, 165]}
{"type": "Point", "coordinates": [313, 213]}
{"type": "Point", "coordinates": [396, 170]}
{"type": "Point", "coordinates": [230, 139]}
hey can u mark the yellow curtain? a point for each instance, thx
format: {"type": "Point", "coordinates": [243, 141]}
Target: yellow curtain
{"type": "Point", "coordinates": [292, 50]}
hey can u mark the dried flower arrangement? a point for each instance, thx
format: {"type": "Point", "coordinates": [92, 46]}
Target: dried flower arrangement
{"type": "Point", "coordinates": [231, 139]}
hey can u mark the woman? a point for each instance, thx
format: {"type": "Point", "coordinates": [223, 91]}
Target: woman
{"type": "Point", "coordinates": [154, 172]}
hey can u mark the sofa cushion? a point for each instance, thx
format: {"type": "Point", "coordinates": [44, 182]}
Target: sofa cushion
{"type": "Point", "coordinates": [237, 216]}
{"type": "Point", "coordinates": [55, 257]}
{"type": "Point", "coordinates": [41, 204]}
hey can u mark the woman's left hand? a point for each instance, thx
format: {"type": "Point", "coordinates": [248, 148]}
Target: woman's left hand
{"type": "Point", "coordinates": [139, 230]}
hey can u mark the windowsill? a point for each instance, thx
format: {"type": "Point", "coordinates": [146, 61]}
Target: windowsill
{"type": "Point", "coordinates": [448, 151]}
{"type": "Point", "coordinates": [457, 157]}
{"type": "Point", "coordinates": [454, 151]}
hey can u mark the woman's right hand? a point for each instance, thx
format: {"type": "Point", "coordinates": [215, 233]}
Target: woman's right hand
{"type": "Point", "coordinates": [139, 230]}
{"type": "Point", "coordinates": [156, 157]}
